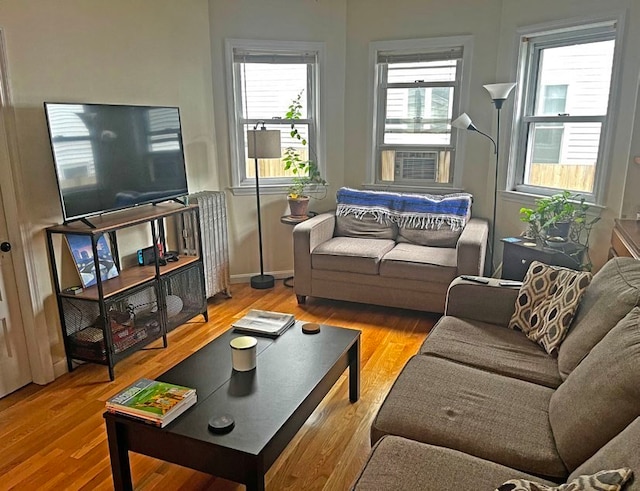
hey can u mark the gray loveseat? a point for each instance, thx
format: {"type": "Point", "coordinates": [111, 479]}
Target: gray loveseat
{"type": "Point", "coordinates": [362, 259]}
{"type": "Point", "coordinates": [481, 404]}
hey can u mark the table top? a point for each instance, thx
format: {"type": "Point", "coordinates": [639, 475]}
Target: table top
{"type": "Point", "coordinates": [260, 401]}
{"type": "Point", "coordinates": [294, 219]}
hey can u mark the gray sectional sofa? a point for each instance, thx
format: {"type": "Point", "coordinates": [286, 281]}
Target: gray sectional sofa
{"type": "Point", "coordinates": [361, 260]}
{"type": "Point", "coordinates": [481, 404]}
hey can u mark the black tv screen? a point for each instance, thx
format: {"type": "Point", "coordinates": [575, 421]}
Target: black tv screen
{"type": "Point", "coordinates": [109, 157]}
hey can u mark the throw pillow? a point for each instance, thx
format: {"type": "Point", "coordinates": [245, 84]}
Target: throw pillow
{"type": "Point", "coordinates": [547, 302]}
{"type": "Point", "coordinates": [612, 480]}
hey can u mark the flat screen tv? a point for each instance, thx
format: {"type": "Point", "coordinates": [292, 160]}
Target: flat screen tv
{"type": "Point", "coordinates": [109, 157]}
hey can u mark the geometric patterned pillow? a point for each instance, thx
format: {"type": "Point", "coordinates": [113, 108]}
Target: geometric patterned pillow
{"type": "Point", "coordinates": [546, 303]}
{"type": "Point", "coordinates": [601, 481]}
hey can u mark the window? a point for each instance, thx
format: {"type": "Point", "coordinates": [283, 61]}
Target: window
{"type": "Point", "coordinates": [265, 78]}
{"type": "Point", "coordinates": [418, 88]}
{"type": "Point", "coordinates": [560, 137]}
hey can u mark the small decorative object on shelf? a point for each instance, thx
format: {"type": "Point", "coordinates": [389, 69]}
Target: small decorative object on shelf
{"type": "Point", "coordinates": [153, 402]}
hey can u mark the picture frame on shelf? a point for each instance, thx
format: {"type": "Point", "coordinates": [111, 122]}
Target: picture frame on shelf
{"type": "Point", "coordinates": [82, 253]}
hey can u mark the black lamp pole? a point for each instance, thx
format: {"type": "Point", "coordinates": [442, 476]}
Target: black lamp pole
{"type": "Point", "coordinates": [263, 143]}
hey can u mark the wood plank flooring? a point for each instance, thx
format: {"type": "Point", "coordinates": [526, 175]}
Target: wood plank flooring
{"type": "Point", "coordinates": [53, 437]}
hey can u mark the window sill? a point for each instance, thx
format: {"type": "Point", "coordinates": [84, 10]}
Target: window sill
{"type": "Point", "coordinates": [264, 190]}
{"type": "Point", "coordinates": [529, 200]}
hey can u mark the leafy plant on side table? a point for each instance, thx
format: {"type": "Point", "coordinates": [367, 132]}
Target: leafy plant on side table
{"type": "Point", "coordinates": [306, 175]}
{"type": "Point", "coordinates": [561, 219]}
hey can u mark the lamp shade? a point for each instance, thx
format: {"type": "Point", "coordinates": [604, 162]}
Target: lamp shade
{"type": "Point", "coordinates": [499, 91]}
{"type": "Point", "coordinates": [463, 122]}
{"type": "Point", "coordinates": [264, 144]}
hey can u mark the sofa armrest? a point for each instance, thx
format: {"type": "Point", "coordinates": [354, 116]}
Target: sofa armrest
{"type": "Point", "coordinates": [472, 247]}
{"type": "Point", "coordinates": [307, 236]}
{"type": "Point", "coordinates": [487, 303]}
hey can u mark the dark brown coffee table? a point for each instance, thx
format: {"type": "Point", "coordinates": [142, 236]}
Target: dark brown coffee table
{"type": "Point", "coordinates": [269, 404]}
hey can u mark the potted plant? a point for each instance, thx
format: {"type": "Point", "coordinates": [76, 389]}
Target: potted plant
{"type": "Point", "coordinates": [306, 174]}
{"type": "Point", "coordinates": [559, 219]}
{"type": "Point", "coordinates": [551, 217]}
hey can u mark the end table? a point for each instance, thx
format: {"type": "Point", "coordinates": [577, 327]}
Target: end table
{"type": "Point", "coordinates": [519, 253]}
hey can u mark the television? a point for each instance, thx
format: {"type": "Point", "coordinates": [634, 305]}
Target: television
{"type": "Point", "coordinates": [108, 157]}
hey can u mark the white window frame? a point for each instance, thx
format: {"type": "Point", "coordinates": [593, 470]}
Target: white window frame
{"type": "Point", "coordinates": [241, 184]}
{"type": "Point", "coordinates": [461, 100]}
{"type": "Point", "coordinates": [550, 35]}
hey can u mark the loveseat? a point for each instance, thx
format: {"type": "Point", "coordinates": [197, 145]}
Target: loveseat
{"type": "Point", "coordinates": [481, 404]}
{"type": "Point", "coordinates": [389, 249]}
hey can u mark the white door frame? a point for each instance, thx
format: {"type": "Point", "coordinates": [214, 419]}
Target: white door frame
{"type": "Point", "coordinates": [19, 230]}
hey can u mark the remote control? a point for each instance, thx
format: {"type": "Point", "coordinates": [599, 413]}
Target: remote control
{"type": "Point", "coordinates": [475, 279]}
{"type": "Point", "coordinates": [511, 283]}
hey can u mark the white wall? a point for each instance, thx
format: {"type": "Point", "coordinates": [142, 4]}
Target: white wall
{"type": "Point", "coordinates": [152, 52]}
{"type": "Point", "coordinates": [278, 20]}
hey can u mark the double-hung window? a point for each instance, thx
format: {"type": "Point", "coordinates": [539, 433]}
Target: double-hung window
{"type": "Point", "coordinates": [266, 77]}
{"type": "Point", "coordinates": [418, 90]}
{"type": "Point", "coordinates": [560, 137]}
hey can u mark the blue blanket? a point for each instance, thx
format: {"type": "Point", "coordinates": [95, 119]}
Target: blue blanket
{"type": "Point", "coordinates": [406, 210]}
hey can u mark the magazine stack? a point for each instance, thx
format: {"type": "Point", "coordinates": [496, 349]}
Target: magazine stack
{"type": "Point", "coordinates": [153, 402]}
{"type": "Point", "coordinates": [264, 323]}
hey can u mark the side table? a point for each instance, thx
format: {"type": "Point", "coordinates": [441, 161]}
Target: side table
{"type": "Point", "coordinates": [294, 220]}
{"type": "Point", "coordinates": [519, 253]}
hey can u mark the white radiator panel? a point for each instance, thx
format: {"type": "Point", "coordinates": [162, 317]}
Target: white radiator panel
{"type": "Point", "coordinates": [215, 248]}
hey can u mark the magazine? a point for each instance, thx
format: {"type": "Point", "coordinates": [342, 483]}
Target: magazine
{"type": "Point", "coordinates": [82, 252]}
{"type": "Point", "coordinates": [154, 402]}
{"type": "Point", "coordinates": [264, 322]}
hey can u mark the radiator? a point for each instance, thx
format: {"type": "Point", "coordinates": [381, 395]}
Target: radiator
{"type": "Point", "coordinates": [215, 248]}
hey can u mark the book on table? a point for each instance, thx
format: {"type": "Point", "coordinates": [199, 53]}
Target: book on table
{"type": "Point", "coordinates": [152, 402]}
{"type": "Point", "coordinates": [264, 322]}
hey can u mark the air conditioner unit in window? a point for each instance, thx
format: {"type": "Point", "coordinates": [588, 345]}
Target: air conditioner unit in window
{"type": "Point", "coordinates": [416, 166]}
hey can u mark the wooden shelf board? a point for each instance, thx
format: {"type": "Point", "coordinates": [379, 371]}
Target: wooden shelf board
{"type": "Point", "coordinates": [130, 278]}
{"type": "Point", "coordinates": [122, 219]}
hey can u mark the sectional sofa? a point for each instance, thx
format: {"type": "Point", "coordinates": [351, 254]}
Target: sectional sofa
{"type": "Point", "coordinates": [481, 404]}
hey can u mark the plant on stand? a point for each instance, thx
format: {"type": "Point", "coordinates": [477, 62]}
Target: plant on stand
{"type": "Point", "coordinates": [306, 175]}
{"type": "Point", "coordinates": [561, 219]}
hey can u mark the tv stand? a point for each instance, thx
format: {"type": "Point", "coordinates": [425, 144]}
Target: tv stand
{"type": "Point", "coordinates": [115, 317]}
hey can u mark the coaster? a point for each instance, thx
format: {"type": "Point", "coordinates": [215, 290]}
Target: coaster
{"type": "Point", "coordinates": [311, 328]}
{"type": "Point", "coordinates": [221, 424]}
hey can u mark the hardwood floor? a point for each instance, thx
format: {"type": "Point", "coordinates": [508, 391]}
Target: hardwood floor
{"type": "Point", "coordinates": [53, 437]}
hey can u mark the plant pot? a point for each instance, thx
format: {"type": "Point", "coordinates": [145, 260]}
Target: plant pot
{"type": "Point", "coordinates": [560, 229]}
{"type": "Point", "coordinates": [298, 206]}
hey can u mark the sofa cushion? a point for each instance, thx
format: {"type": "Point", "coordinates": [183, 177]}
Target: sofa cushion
{"type": "Point", "coordinates": [601, 396]}
{"type": "Point", "coordinates": [493, 348]}
{"type": "Point", "coordinates": [493, 417]}
{"type": "Point", "coordinates": [444, 236]}
{"type": "Point", "coordinates": [605, 480]}
{"type": "Point", "coordinates": [547, 302]}
{"type": "Point", "coordinates": [414, 262]}
{"type": "Point", "coordinates": [613, 292]}
{"type": "Point", "coordinates": [365, 227]}
{"type": "Point", "coordinates": [351, 254]}
{"type": "Point", "coordinates": [621, 451]}
{"type": "Point", "coordinates": [405, 465]}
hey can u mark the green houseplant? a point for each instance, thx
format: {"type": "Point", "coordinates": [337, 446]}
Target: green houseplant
{"type": "Point", "coordinates": [306, 174]}
{"type": "Point", "coordinates": [558, 219]}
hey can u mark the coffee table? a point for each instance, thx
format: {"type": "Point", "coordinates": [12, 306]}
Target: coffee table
{"type": "Point", "coordinates": [269, 405]}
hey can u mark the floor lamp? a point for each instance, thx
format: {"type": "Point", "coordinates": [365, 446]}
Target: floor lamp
{"type": "Point", "coordinates": [499, 93]}
{"type": "Point", "coordinates": [262, 144]}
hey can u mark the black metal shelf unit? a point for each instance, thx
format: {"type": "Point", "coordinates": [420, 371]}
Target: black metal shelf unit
{"type": "Point", "coordinates": [115, 317]}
